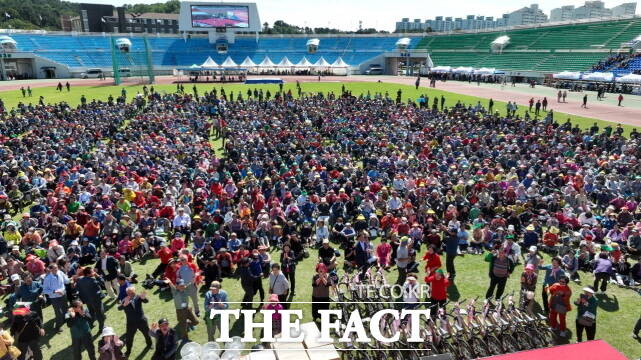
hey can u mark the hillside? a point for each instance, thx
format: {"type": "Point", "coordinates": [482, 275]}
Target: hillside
{"type": "Point", "coordinates": [45, 14]}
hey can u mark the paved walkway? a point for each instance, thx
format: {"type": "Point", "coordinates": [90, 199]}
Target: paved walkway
{"type": "Point", "coordinates": [604, 110]}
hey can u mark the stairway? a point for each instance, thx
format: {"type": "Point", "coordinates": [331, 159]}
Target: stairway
{"type": "Point", "coordinates": [543, 34]}
{"type": "Point", "coordinates": [624, 29]}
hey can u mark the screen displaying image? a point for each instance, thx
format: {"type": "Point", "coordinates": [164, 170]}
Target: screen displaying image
{"type": "Point", "coordinates": [217, 16]}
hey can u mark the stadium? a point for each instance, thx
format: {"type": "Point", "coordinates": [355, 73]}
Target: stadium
{"type": "Point", "coordinates": [159, 169]}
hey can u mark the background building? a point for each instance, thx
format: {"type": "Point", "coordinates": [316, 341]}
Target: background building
{"type": "Point", "coordinates": [531, 15]}
{"type": "Point", "coordinates": [626, 9]}
{"type": "Point", "coordinates": [563, 13]}
{"type": "Point", "coordinates": [591, 10]}
{"type": "Point", "coordinates": [527, 16]}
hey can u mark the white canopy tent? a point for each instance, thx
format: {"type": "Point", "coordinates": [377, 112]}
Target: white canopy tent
{"type": "Point", "coordinates": [209, 63]}
{"type": "Point", "coordinates": [500, 43]}
{"type": "Point", "coordinates": [304, 63]}
{"type": "Point", "coordinates": [485, 71]}
{"type": "Point", "coordinates": [339, 63]}
{"type": "Point", "coordinates": [267, 63]}
{"type": "Point", "coordinates": [248, 63]}
{"type": "Point", "coordinates": [630, 79]}
{"type": "Point", "coordinates": [285, 63]}
{"type": "Point", "coordinates": [597, 76]}
{"type": "Point", "coordinates": [567, 75]}
{"type": "Point", "coordinates": [229, 63]}
{"type": "Point", "coordinates": [322, 63]}
{"type": "Point", "coordinates": [340, 67]}
{"type": "Point", "coordinates": [463, 70]}
{"type": "Point", "coordinates": [442, 69]}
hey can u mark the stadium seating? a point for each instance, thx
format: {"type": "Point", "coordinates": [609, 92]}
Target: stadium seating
{"type": "Point", "coordinates": [94, 51]}
{"type": "Point", "coordinates": [546, 49]}
{"type": "Point", "coordinates": [607, 34]}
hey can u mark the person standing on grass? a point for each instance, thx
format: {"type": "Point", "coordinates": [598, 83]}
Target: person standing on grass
{"type": "Point", "coordinates": [501, 267]}
{"type": "Point", "coordinates": [402, 259]}
{"type": "Point", "coordinates": [288, 266]}
{"type": "Point", "coordinates": [188, 272]}
{"type": "Point", "coordinates": [215, 299]}
{"type": "Point", "coordinates": [166, 341]}
{"type": "Point", "coordinates": [321, 284]}
{"type": "Point", "coordinates": [559, 304]}
{"type": "Point", "coordinates": [553, 273]}
{"type": "Point", "coordinates": [110, 346]}
{"type": "Point", "coordinates": [529, 277]}
{"type": "Point", "coordinates": [637, 329]}
{"type": "Point", "coordinates": [184, 313]}
{"type": "Point", "coordinates": [602, 271]}
{"type": "Point", "coordinates": [432, 259]}
{"type": "Point", "coordinates": [278, 284]}
{"type": "Point", "coordinates": [246, 282]}
{"type": "Point", "coordinates": [135, 318]}
{"type": "Point", "coordinates": [107, 267]}
{"type": "Point", "coordinates": [53, 286]}
{"type": "Point", "coordinates": [79, 321]}
{"type": "Point", "coordinates": [439, 283]}
{"type": "Point", "coordinates": [586, 314]}
{"type": "Point", "coordinates": [451, 251]}
{"type": "Point", "coordinates": [90, 293]}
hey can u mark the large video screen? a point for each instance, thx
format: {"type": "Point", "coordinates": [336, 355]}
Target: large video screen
{"type": "Point", "coordinates": [218, 16]}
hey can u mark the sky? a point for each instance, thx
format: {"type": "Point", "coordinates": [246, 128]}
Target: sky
{"type": "Point", "coordinates": [380, 14]}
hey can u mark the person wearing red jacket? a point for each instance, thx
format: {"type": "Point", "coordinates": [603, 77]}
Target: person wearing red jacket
{"type": "Point", "coordinates": [432, 259]}
{"type": "Point", "coordinates": [438, 289]}
{"type": "Point", "coordinates": [165, 254]}
{"type": "Point", "coordinates": [241, 253]}
{"type": "Point", "coordinates": [171, 271]}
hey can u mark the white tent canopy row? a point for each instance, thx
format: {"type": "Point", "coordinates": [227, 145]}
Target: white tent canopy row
{"type": "Point", "coordinates": [248, 63]}
{"type": "Point", "coordinates": [285, 63]}
{"type": "Point", "coordinates": [568, 75]}
{"type": "Point", "coordinates": [442, 69]}
{"type": "Point", "coordinates": [463, 70]}
{"type": "Point", "coordinates": [268, 63]}
{"type": "Point", "coordinates": [630, 79]}
{"type": "Point", "coordinates": [229, 62]}
{"type": "Point", "coordinates": [209, 63]}
{"type": "Point", "coordinates": [597, 76]}
{"type": "Point", "coordinates": [485, 71]}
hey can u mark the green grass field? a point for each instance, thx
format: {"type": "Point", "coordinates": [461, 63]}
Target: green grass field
{"type": "Point", "coordinates": [12, 98]}
{"type": "Point", "coordinates": [618, 311]}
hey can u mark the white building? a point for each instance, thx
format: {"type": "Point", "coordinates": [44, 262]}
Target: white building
{"type": "Point", "coordinates": [562, 14]}
{"type": "Point", "coordinates": [592, 9]}
{"type": "Point", "coordinates": [527, 16]}
{"type": "Point", "coordinates": [625, 9]}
